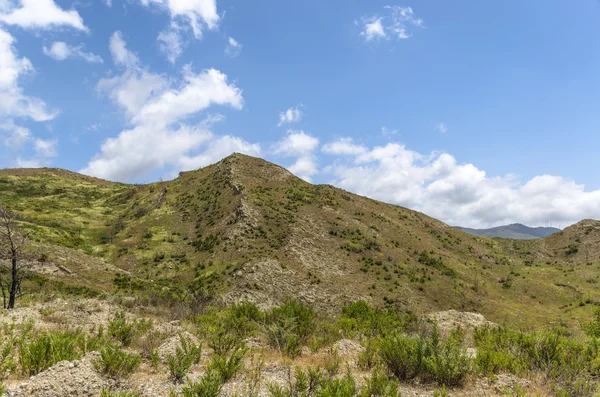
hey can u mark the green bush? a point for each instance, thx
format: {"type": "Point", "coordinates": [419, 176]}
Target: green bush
{"type": "Point", "coordinates": [115, 362]}
{"type": "Point", "coordinates": [222, 341]}
{"type": "Point", "coordinates": [242, 319]}
{"type": "Point", "coordinates": [379, 385]}
{"type": "Point", "coordinates": [121, 329]}
{"type": "Point", "coordinates": [287, 327]}
{"type": "Point", "coordinates": [227, 367]}
{"type": "Point", "coordinates": [446, 362]}
{"type": "Point", "coordinates": [300, 315]}
{"type": "Point", "coordinates": [7, 359]}
{"type": "Point", "coordinates": [427, 357]}
{"type": "Point", "coordinates": [40, 352]}
{"type": "Point", "coordinates": [567, 363]}
{"type": "Point", "coordinates": [208, 386]}
{"type": "Point", "coordinates": [592, 328]}
{"type": "Point", "coordinates": [186, 355]}
{"type": "Point", "coordinates": [361, 319]}
{"type": "Point", "coordinates": [314, 383]}
{"type": "Point", "coordinates": [402, 356]}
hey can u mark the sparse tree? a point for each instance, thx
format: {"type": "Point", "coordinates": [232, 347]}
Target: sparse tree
{"type": "Point", "coordinates": [14, 242]}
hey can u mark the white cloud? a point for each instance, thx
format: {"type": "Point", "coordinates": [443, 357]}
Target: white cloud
{"type": "Point", "coordinates": [218, 149]}
{"type": "Point", "coordinates": [17, 138]}
{"type": "Point", "coordinates": [300, 145]}
{"type": "Point", "coordinates": [460, 194]}
{"type": "Point", "coordinates": [13, 103]}
{"type": "Point", "coordinates": [197, 13]}
{"type": "Point", "coordinates": [292, 115]}
{"type": "Point", "coordinates": [170, 43]}
{"type": "Point", "coordinates": [296, 143]}
{"type": "Point", "coordinates": [45, 148]}
{"type": "Point", "coordinates": [108, 3]}
{"type": "Point", "coordinates": [373, 29]}
{"type": "Point", "coordinates": [210, 87]}
{"type": "Point", "coordinates": [121, 55]}
{"type": "Point", "coordinates": [442, 127]}
{"type": "Point", "coordinates": [394, 24]}
{"type": "Point", "coordinates": [40, 14]}
{"type": "Point", "coordinates": [343, 146]}
{"type": "Point", "coordinates": [233, 48]}
{"type": "Point", "coordinates": [60, 51]}
{"type": "Point", "coordinates": [157, 108]}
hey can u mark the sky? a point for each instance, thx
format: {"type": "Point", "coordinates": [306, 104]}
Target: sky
{"type": "Point", "coordinates": [478, 113]}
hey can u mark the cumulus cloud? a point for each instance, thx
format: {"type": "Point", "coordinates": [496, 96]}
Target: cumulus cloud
{"type": "Point", "coordinates": [120, 54]}
{"type": "Point", "coordinates": [194, 15]}
{"type": "Point", "coordinates": [233, 48]}
{"type": "Point", "coordinates": [343, 146]}
{"type": "Point", "coordinates": [394, 23]}
{"type": "Point", "coordinates": [292, 115]}
{"type": "Point", "coordinates": [61, 51]}
{"type": "Point", "coordinates": [157, 108]}
{"type": "Point", "coordinates": [15, 106]}
{"type": "Point", "coordinates": [302, 146]}
{"type": "Point", "coordinates": [218, 149]}
{"type": "Point", "coordinates": [40, 14]}
{"type": "Point", "coordinates": [13, 103]}
{"type": "Point", "coordinates": [459, 194]}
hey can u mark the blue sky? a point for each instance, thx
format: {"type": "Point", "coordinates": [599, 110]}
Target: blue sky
{"type": "Point", "coordinates": [476, 112]}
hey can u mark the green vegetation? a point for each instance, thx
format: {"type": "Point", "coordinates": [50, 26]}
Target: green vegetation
{"type": "Point", "coordinates": [186, 355]}
{"type": "Point", "coordinates": [115, 362]}
{"type": "Point", "coordinates": [246, 229]}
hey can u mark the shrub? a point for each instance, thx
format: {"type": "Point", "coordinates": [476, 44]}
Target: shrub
{"type": "Point", "coordinates": [7, 360]}
{"type": "Point", "coordinates": [568, 364]}
{"type": "Point", "coordinates": [223, 341]}
{"type": "Point", "coordinates": [46, 349]}
{"type": "Point", "coordinates": [226, 367]}
{"type": "Point", "coordinates": [402, 356]}
{"type": "Point", "coordinates": [242, 319]}
{"type": "Point", "coordinates": [294, 312]}
{"type": "Point", "coordinates": [115, 362]}
{"type": "Point", "coordinates": [313, 383]}
{"type": "Point", "coordinates": [426, 357]}
{"type": "Point", "coordinates": [446, 362]}
{"type": "Point", "coordinates": [208, 386]}
{"type": "Point", "coordinates": [287, 327]}
{"type": "Point", "coordinates": [368, 358]}
{"type": "Point", "coordinates": [379, 385]}
{"type": "Point", "coordinates": [361, 319]}
{"type": "Point", "coordinates": [186, 354]}
{"type": "Point", "coordinates": [121, 329]}
{"type": "Point", "coordinates": [592, 328]}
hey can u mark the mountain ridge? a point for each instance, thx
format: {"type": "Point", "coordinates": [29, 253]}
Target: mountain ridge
{"type": "Point", "coordinates": [247, 229]}
{"type": "Point", "coordinates": [515, 230]}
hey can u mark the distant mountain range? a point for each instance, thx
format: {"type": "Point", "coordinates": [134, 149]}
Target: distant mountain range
{"type": "Point", "coordinates": [515, 231]}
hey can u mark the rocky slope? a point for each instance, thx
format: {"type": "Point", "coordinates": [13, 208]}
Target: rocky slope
{"type": "Point", "coordinates": [247, 229]}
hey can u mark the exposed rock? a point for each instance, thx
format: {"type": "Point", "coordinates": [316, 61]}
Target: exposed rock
{"type": "Point", "coordinates": [64, 379]}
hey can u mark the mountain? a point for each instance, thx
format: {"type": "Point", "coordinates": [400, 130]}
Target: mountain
{"type": "Point", "coordinates": [515, 231]}
{"type": "Point", "coordinates": [247, 229]}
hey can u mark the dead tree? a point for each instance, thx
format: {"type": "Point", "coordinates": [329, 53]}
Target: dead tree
{"type": "Point", "coordinates": [14, 241]}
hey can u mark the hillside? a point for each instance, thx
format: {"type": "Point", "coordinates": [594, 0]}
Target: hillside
{"type": "Point", "coordinates": [515, 231]}
{"type": "Point", "coordinates": [246, 229]}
